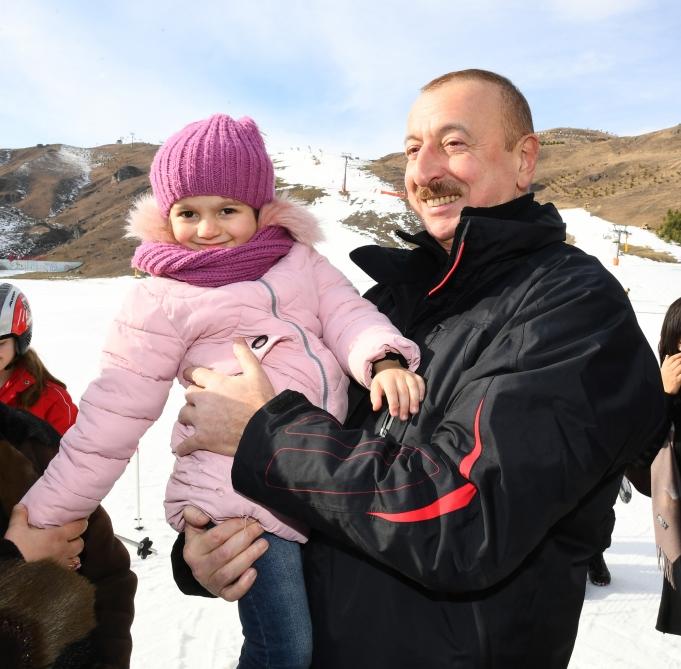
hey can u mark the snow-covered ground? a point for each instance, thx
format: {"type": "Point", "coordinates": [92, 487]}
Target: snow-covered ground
{"type": "Point", "coordinates": [172, 631]}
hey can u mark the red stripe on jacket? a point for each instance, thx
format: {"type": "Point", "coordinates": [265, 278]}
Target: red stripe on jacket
{"type": "Point", "coordinates": [451, 501]}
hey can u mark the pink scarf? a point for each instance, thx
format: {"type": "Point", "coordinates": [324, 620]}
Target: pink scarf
{"type": "Point", "coordinates": [215, 267]}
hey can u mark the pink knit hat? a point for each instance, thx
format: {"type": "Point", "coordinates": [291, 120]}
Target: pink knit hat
{"type": "Point", "coordinates": [217, 156]}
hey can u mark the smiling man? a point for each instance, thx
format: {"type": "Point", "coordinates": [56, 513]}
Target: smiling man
{"type": "Point", "coordinates": [459, 157]}
{"type": "Point", "coordinates": [460, 537]}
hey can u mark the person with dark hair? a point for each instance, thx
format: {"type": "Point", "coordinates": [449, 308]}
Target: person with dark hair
{"type": "Point", "coordinates": [66, 593]}
{"type": "Point", "coordinates": [25, 382]}
{"type": "Point", "coordinates": [657, 474]}
{"type": "Point", "coordinates": [669, 616]}
{"type": "Point", "coordinates": [460, 536]}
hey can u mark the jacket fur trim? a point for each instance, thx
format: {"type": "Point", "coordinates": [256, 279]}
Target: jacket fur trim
{"type": "Point", "coordinates": [146, 223]}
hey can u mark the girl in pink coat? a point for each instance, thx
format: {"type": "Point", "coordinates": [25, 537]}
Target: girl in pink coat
{"type": "Point", "coordinates": [228, 260]}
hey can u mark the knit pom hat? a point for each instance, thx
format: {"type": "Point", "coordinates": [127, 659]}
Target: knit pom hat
{"type": "Point", "coordinates": [216, 156]}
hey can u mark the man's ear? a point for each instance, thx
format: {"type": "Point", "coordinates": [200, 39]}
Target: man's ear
{"type": "Point", "coordinates": [528, 152]}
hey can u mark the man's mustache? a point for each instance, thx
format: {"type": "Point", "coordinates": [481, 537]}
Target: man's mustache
{"type": "Point", "coordinates": [443, 188]}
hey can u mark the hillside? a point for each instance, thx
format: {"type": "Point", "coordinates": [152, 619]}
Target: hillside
{"type": "Point", "coordinates": [84, 193]}
{"type": "Point", "coordinates": [67, 203]}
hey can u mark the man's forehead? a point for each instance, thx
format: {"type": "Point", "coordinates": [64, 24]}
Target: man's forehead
{"type": "Point", "coordinates": [455, 105]}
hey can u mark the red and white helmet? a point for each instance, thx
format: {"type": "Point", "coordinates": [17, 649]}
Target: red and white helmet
{"type": "Point", "coordinates": [15, 317]}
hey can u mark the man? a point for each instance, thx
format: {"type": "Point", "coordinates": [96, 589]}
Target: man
{"type": "Point", "coordinates": [458, 538]}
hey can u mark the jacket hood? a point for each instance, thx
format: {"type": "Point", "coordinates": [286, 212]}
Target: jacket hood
{"type": "Point", "coordinates": [146, 223]}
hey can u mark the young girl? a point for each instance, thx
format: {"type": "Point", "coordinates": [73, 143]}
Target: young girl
{"type": "Point", "coordinates": [229, 260]}
{"type": "Point", "coordinates": [25, 382]}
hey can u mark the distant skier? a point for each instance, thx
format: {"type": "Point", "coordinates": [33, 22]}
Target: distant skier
{"type": "Point", "coordinates": [230, 261]}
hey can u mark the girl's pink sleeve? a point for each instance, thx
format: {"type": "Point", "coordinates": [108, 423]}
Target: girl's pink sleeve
{"type": "Point", "coordinates": [139, 363]}
{"type": "Point", "coordinates": [353, 328]}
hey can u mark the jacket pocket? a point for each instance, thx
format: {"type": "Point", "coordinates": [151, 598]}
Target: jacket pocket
{"type": "Point", "coordinates": [261, 345]}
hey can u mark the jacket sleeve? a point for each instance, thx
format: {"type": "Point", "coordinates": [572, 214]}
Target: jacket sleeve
{"type": "Point", "coordinates": [353, 328]}
{"type": "Point", "coordinates": [638, 472]}
{"type": "Point", "coordinates": [106, 564]}
{"type": "Point", "coordinates": [139, 363]}
{"type": "Point", "coordinates": [554, 406]}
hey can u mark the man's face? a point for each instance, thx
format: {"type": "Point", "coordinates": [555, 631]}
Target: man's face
{"type": "Point", "coordinates": [456, 155]}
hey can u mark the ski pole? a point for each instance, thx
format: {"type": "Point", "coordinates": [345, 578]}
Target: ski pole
{"type": "Point", "coordinates": [143, 547]}
{"type": "Point", "coordinates": [139, 525]}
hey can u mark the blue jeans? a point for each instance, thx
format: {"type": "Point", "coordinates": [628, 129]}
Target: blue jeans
{"type": "Point", "coordinates": [274, 614]}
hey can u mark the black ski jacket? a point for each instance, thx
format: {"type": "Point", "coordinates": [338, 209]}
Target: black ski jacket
{"type": "Point", "coordinates": [459, 538]}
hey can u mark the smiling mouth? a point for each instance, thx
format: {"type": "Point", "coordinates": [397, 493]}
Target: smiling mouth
{"type": "Point", "coordinates": [438, 201]}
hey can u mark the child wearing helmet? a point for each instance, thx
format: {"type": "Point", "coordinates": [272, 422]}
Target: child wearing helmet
{"type": "Point", "coordinates": [228, 261]}
{"type": "Point", "coordinates": [25, 382]}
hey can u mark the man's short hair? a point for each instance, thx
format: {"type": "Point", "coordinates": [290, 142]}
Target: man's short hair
{"type": "Point", "coordinates": [516, 114]}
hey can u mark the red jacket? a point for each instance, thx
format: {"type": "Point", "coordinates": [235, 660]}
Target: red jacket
{"type": "Point", "coordinates": [54, 405]}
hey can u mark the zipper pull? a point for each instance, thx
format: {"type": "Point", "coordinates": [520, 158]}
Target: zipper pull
{"type": "Point", "coordinates": [387, 422]}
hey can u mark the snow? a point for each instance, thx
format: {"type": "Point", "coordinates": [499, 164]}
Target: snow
{"type": "Point", "coordinates": [171, 630]}
{"type": "Point", "coordinates": [80, 161]}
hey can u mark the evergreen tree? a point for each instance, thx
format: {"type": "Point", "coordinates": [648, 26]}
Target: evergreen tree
{"type": "Point", "coordinates": [671, 228]}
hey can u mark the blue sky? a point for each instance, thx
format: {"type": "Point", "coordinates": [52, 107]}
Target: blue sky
{"type": "Point", "coordinates": [340, 75]}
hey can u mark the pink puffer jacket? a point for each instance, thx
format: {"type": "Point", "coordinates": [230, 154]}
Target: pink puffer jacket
{"type": "Point", "coordinates": [304, 321]}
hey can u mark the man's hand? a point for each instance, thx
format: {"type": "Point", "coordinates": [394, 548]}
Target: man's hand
{"type": "Point", "coordinates": [220, 558]}
{"type": "Point", "coordinates": [60, 544]}
{"type": "Point", "coordinates": [671, 373]}
{"type": "Point", "coordinates": [219, 407]}
{"type": "Point", "coordinates": [403, 390]}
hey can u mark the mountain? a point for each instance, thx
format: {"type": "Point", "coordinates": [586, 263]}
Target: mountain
{"type": "Point", "coordinates": [67, 203]}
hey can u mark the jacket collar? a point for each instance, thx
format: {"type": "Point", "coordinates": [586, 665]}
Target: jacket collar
{"type": "Point", "coordinates": [485, 235]}
{"type": "Point", "coordinates": [20, 379]}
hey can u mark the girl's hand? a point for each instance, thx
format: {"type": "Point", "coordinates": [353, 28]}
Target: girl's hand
{"type": "Point", "coordinates": [403, 389]}
{"type": "Point", "coordinates": [671, 373]}
{"type": "Point", "coordinates": [60, 544]}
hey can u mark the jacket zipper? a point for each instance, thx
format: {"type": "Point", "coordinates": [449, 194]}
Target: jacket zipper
{"type": "Point", "coordinates": [306, 344]}
{"type": "Point", "coordinates": [457, 260]}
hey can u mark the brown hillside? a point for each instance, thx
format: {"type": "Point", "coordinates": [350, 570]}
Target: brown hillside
{"type": "Point", "coordinates": [100, 211]}
{"type": "Point", "coordinates": [95, 219]}
{"type": "Point", "coordinates": [627, 180]}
